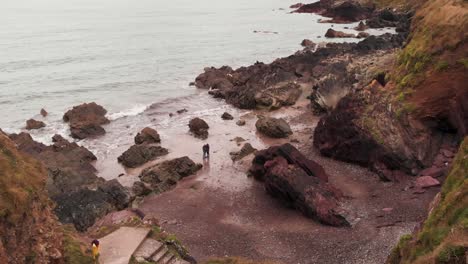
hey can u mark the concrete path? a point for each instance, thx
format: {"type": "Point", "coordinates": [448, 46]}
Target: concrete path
{"type": "Point", "coordinates": [118, 247]}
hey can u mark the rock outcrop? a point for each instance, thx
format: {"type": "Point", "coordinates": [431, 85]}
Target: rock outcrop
{"type": "Point", "coordinates": [340, 11]}
{"type": "Point", "coordinates": [29, 230]}
{"type": "Point", "coordinates": [34, 124]}
{"type": "Point", "coordinates": [299, 183]}
{"type": "Point", "coordinates": [138, 155]}
{"type": "Point", "coordinates": [147, 135]}
{"type": "Point", "coordinates": [163, 176]}
{"type": "Point", "coordinates": [440, 238]}
{"type": "Point", "coordinates": [86, 120]}
{"type": "Point", "coordinates": [273, 127]}
{"type": "Point", "coordinates": [246, 150]}
{"type": "Point", "coordinates": [199, 128]}
{"type": "Point", "coordinates": [331, 33]}
{"type": "Point", "coordinates": [227, 116]}
{"type": "Point", "coordinates": [81, 196]}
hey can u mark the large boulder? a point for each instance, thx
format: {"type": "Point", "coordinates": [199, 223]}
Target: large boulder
{"type": "Point", "coordinates": [166, 174]}
{"type": "Point", "coordinates": [86, 120]}
{"type": "Point", "coordinates": [199, 128]}
{"type": "Point", "coordinates": [299, 183]}
{"type": "Point", "coordinates": [138, 155]}
{"type": "Point", "coordinates": [246, 150]}
{"type": "Point", "coordinates": [273, 127]}
{"type": "Point", "coordinates": [276, 97]}
{"type": "Point", "coordinates": [147, 135]}
{"type": "Point", "coordinates": [331, 33]}
{"type": "Point", "coordinates": [34, 124]}
{"type": "Point", "coordinates": [118, 195]}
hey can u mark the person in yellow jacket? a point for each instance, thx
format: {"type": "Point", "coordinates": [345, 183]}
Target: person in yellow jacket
{"type": "Point", "coordinates": [95, 249]}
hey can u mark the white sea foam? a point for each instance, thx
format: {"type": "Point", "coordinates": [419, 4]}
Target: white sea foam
{"type": "Point", "coordinates": [135, 110]}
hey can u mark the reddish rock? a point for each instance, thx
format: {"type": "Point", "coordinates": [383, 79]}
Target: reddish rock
{"type": "Point", "coordinates": [308, 43]}
{"type": "Point", "coordinates": [296, 5]}
{"type": "Point", "coordinates": [199, 128]}
{"type": "Point", "coordinates": [426, 182]}
{"type": "Point", "coordinates": [291, 155]}
{"type": "Point", "coordinates": [331, 33]}
{"type": "Point", "coordinates": [433, 172]}
{"type": "Point", "coordinates": [361, 26]}
{"type": "Point", "coordinates": [339, 11]}
{"type": "Point", "coordinates": [362, 35]}
{"type": "Point", "coordinates": [299, 183]}
{"type": "Point", "coordinates": [34, 124]}
{"type": "Point", "coordinates": [86, 120]}
{"type": "Point", "coordinates": [147, 135]}
{"type": "Point", "coordinates": [44, 112]}
{"type": "Point", "coordinates": [447, 153]}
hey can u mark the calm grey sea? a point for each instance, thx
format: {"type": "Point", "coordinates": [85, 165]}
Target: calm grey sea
{"type": "Point", "coordinates": [128, 54]}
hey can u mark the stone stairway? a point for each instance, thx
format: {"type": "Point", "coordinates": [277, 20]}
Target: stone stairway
{"type": "Point", "coordinates": [154, 251]}
{"type": "Point", "coordinates": [118, 246]}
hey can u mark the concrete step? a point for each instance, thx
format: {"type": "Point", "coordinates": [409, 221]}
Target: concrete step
{"type": "Point", "coordinates": [147, 249]}
{"type": "Point", "coordinates": [167, 258]}
{"type": "Point", "coordinates": [160, 254]}
{"type": "Point", "coordinates": [118, 246]}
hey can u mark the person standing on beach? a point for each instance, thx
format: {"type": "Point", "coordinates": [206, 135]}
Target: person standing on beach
{"type": "Point", "coordinates": [206, 151]}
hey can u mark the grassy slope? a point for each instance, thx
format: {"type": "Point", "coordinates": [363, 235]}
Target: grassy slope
{"type": "Point", "coordinates": [22, 189]}
{"type": "Point", "coordinates": [443, 237]}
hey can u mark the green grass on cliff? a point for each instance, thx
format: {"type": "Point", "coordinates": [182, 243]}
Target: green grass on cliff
{"type": "Point", "coordinates": [446, 228]}
{"type": "Point", "coordinates": [22, 181]}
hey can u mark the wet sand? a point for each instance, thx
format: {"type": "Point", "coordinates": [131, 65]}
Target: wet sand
{"type": "Point", "coordinates": [222, 212]}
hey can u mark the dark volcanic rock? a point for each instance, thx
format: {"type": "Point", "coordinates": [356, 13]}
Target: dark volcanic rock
{"type": "Point", "coordinates": [276, 97]}
{"type": "Point", "coordinates": [295, 180]}
{"type": "Point", "coordinates": [227, 116]}
{"type": "Point", "coordinates": [339, 11]}
{"type": "Point", "coordinates": [164, 175]}
{"type": "Point", "coordinates": [308, 43]}
{"type": "Point", "coordinates": [246, 150]}
{"type": "Point", "coordinates": [82, 208]}
{"type": "Point", "coordinates": [86, 120]}
{"type": "Point", "coordinates": [147, 135]}
{"type": "Point", "coordinates": [80, 195]}
{"type": "Point", "coordinates": [140, 189]}
{"type": "Point", "coordinates": [34, 124]}
{"type": "Point", "coordinates": [199, 128]}
{"type": "Point", "coordinates": [118, 195]}
{"type": "Point", "coordinates": [273, 127]}
{"type": "Point", "coordinates": [361, 26]}
{"type": "Point", "coordinates": [338, 34]}
{"type": "Point", "coordinates": [138, 155]}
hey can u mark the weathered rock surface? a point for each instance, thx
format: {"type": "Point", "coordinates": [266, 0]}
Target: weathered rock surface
{"type": "Point", "coordinates": [244, 87]}
{"type": "Point", "coordinates": [72, 182]}
{"type": "Point", "coordinates": [34, 124]}
{"type": "Point", "coordinates": [276, 97]}
{"type": "Point", "coordinates": [165, 175]}
{"type": "Point", "coordinates": [138, 155]}
{"type": "Point", "coordinates": [199, 128]}
{"type": "Point", "coordinates": [240, 122]}
{"type": "Point", "coordinates": [339, 11]}
{"type": "Point", "coordinates": [227, 116]}
{"type": "Point", "coordinates": [299, 183]}
{"type": "Point", "coordinates": [363, 35]}
{"type": "Point", "coordinates": [246, 150]}
{"type": "Point", "coordinates": [43, 112]}
{"type": "Point", "coordinates": [147, 135]}
{"type": "Point", "coordinates": [273, 127]}
{"type": "Point", "coordinates": [361, 26]}
{"type": "Point", "coordinates": [426, 182]}
{"type": "Point", "coordinates": [86, 120]}
{"type": "Point", "coordinates": [308, 43]}
{"type": "Point", "coordinates": [331, 33]}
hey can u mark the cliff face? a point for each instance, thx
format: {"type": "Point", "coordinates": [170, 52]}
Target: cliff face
{"type": "Point", "coordinates": [399, 124]}
{"type": "Point", "coordinates": [443, 236]}
{"type": "Point", "coordinates": [29, 230]}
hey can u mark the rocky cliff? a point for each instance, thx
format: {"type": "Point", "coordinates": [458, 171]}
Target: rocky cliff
{"type": "Point", "coordinates": [29, 230]}
{"type": "Point", "coordinates": [442, 238]}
